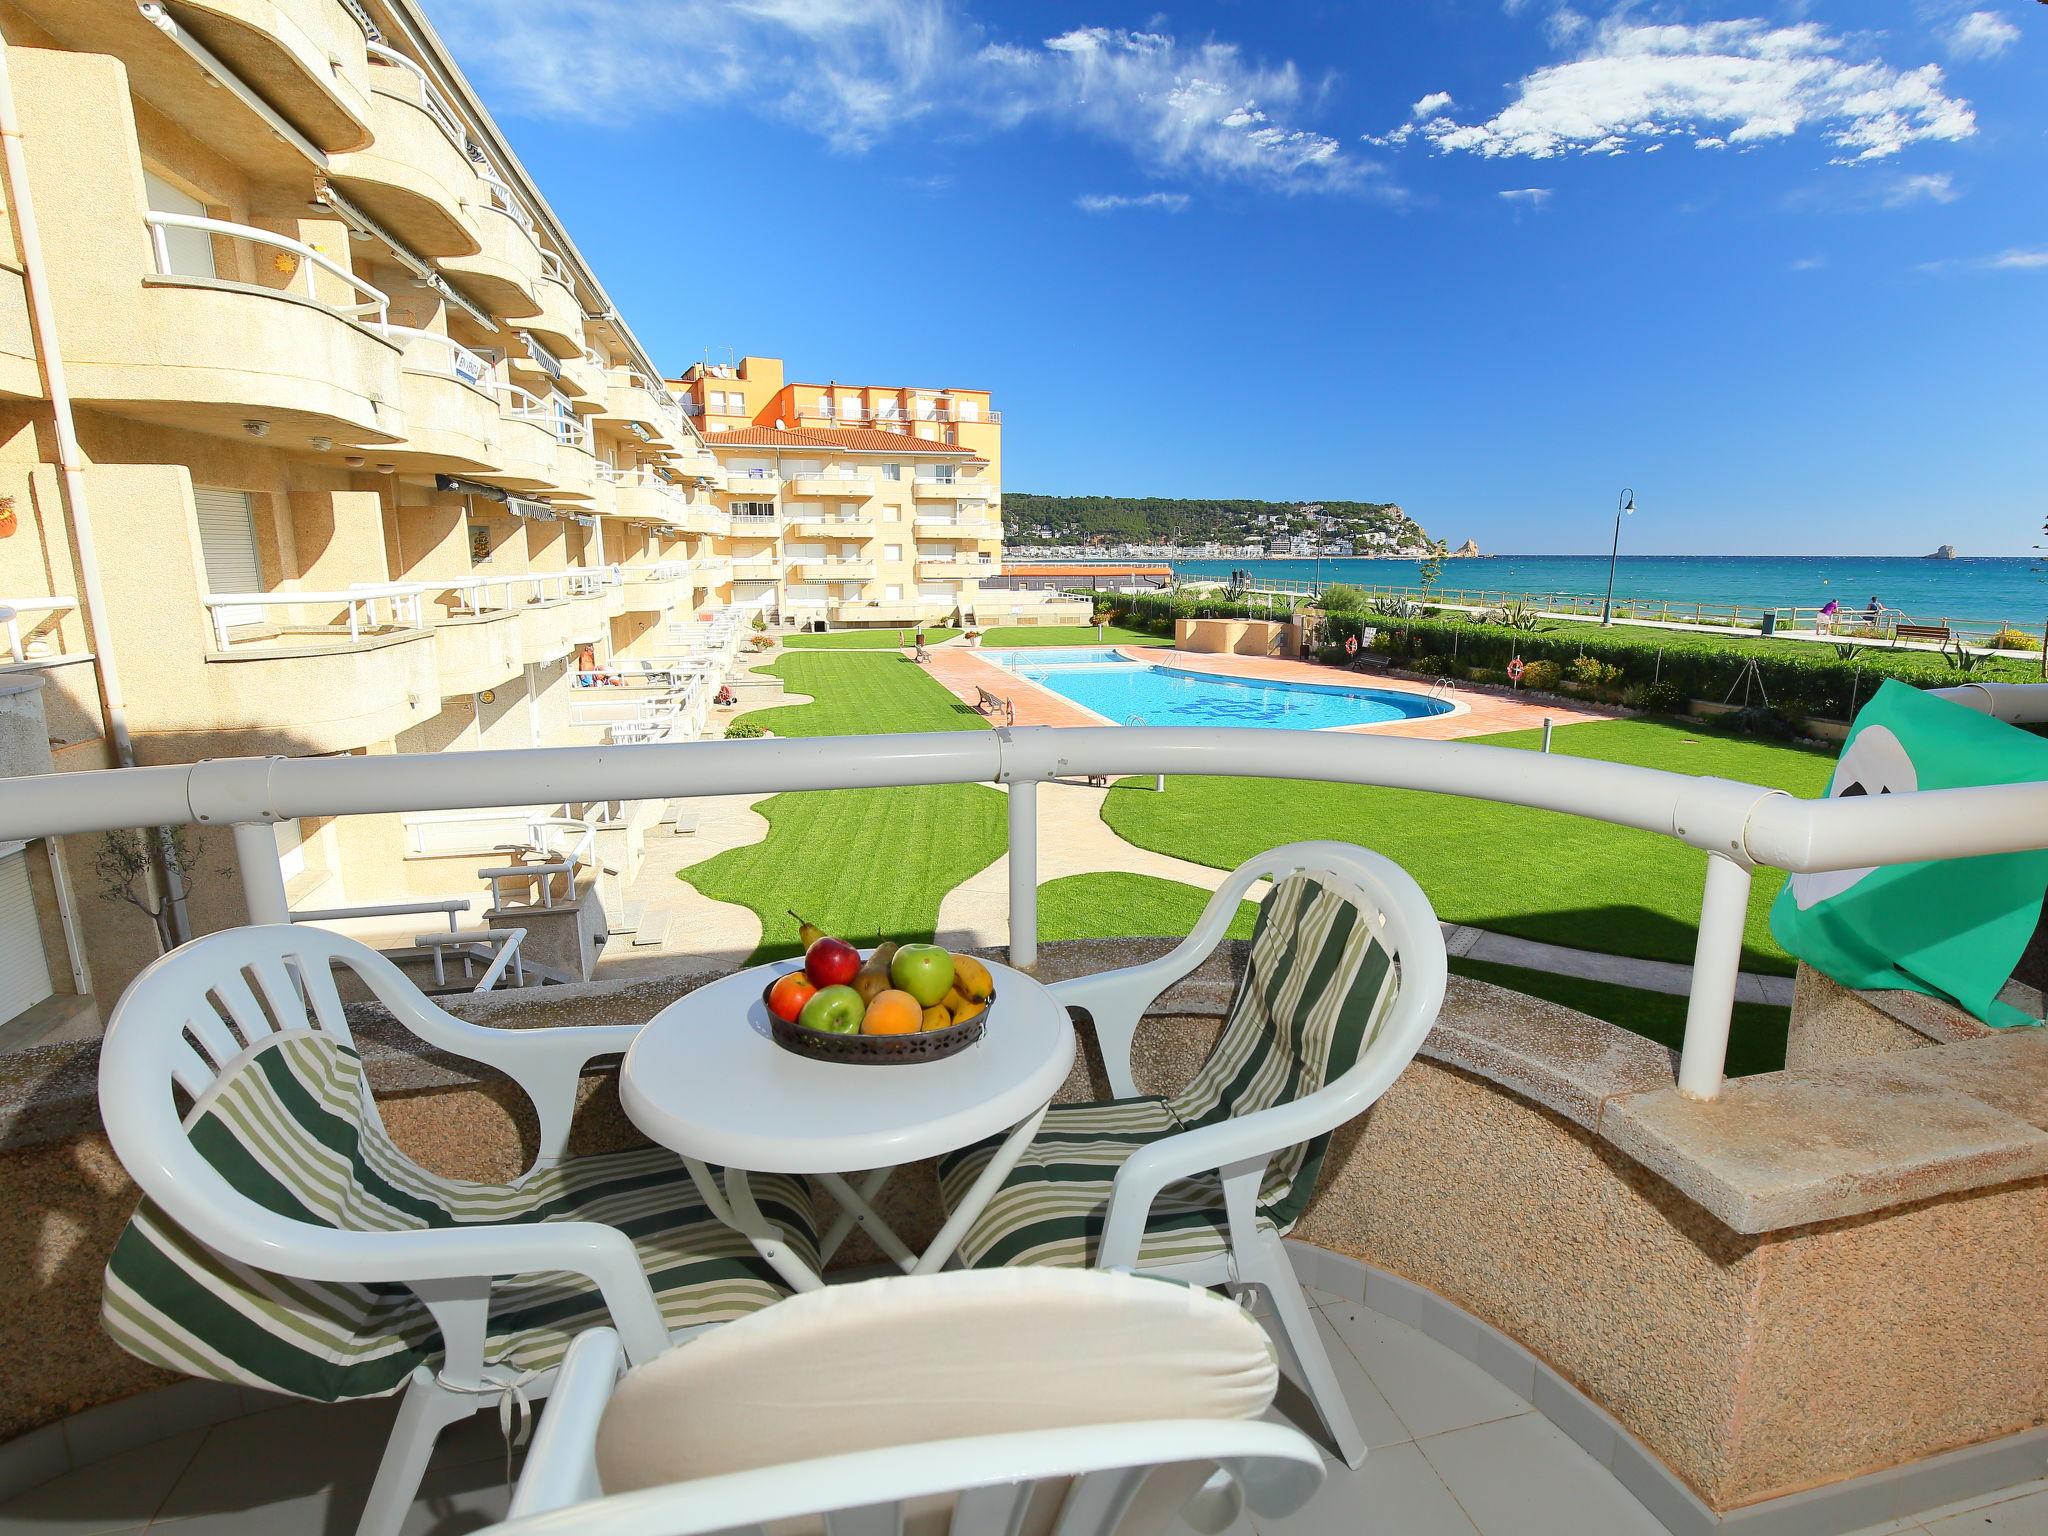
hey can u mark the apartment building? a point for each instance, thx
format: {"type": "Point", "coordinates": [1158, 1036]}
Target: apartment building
{"type": "Point", "coordinates": [854, 505]}
{"type": "Point", "coordinates": [322, 439]}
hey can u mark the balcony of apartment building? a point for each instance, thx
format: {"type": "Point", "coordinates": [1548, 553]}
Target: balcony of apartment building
{"type": "Point", "coordinates": [840, 484]}
{"type": "Point", "coordinates": [832, 567]}
{"type": "Point", "coordinates": [656, 586]}
{"type": "Point", "coordinates": [505, 275]}
{"type": "Point", "coordinates": [452, 399]}
{"type": "Point", "coordinates": [756, 567]}
{"type": "Point", "coordinates": [897, 611]}
{"type": "Point", "coordinates": [817, 524]}
{"type": "Point", "coordinates": [645, 495]}
{"type": "Point", "coordinates": [44, 638]}
{"type": "Point", "coordinates": [712, 571]}
{"type": "Point", "coordinates": [171, 313]}
{"type": "Point", "coordinates": [851, 413]}
{"type": "Point", "coordinates": [958, 567]}
{"type": "Point", "coordinates": [415, 178]}
{"type": "Point", "coordinates": [559, 323]}
{"type": "Point", "coordinates": [957, 488]}
{"type": "Point", "coordinates": [959, 523]}
{"type": "Point", "coordinates": [752, 484]}
{"type": "Point", "coordinates": [585, 379]}
{"type": "Point", "coordinates": [641, 406]}
{"type": "Point", "coordinates": [536, 434]}
{"type": "Point", "coordinates": [307, 56]}
{"type": "Point", "coordinates": [745, 523]}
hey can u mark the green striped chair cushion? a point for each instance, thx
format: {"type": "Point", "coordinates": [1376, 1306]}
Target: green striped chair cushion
{"type": "Point", "coordinates": [1315, 993]}
{"type": "Point", "coordinates": [1050, 1208]}
{"type": "Point", "coordinates": [295, 1129]}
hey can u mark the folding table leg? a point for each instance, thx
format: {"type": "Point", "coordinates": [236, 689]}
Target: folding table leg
{"type": "Point", "coordinates": [766, 1237]}
{"type": "Point", "coordinates": [879, 1231]}
{"type": "Point", "coordinates": [843, 1224]}
{"type": "Point", "coordinates": [979, 1193]}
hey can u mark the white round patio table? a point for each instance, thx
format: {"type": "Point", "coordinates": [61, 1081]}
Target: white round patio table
{"type": "Point", "coordinates": [706, 1079]}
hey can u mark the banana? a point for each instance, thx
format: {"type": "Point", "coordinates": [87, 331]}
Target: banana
{"type": "Point", "coordinates": [936, 1017]}
{"type": "Point", "coordinates": [959, 1005]}
{"type": "Point", "coordinates": [971, 979]}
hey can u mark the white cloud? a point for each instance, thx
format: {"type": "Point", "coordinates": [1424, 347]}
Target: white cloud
{"type": "Point", "coordinates": [1528, 197]}
{"type": "Point", "coordinates": [861, 72]}
{"type": "Point", "coordinates": [1981, 35]}
{"type": "Point", "coordinates": [1116, 202]}
{"type": "Point", "coordinates": [2016, 260]}
{"type": "Point", "coordinates": [1720, 84]}
{"type": "Point", "coordinates": [1809, 263]}
{"type": "Point", "coordinates": [1430, 106]}
{"type": "Point", "coordinates": [1938, 187]}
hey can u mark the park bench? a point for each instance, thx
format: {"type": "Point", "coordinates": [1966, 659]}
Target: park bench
{"type": "Point", "coordinates": [995, 704]}
{"type": "Point", "coordinates": [1939, 634]}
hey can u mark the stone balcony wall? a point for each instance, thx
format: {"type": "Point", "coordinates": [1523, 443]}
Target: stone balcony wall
{"type": "Point", "coordinates": [1827, 1272]}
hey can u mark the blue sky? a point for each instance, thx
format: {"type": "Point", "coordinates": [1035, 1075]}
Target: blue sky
{"type": "Point", "coordinates": [1783, 268]}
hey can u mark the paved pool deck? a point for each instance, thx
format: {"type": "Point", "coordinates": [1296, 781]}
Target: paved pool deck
{"type": "Point", "coordinates": [965, 671]}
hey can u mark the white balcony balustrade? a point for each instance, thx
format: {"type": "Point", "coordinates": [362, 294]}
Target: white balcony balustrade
{"type": "Point", "coordinates": [246, 618]}
{"type": "Point", "coordinates": [341, 293]}
{"type": "Point", "coordinates": [431, 352]}
{"type": "Point", "coordinates": [857, 485]}
{"type": "Point", "coordinates": [32, 629]}
{"type": "Point", "coordinates": [431, 97]}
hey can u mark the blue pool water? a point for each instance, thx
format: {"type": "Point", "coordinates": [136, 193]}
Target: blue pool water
{"type": "Point", "coordinates": [1153, 693]}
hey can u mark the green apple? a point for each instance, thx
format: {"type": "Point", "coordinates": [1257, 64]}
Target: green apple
{"type": "Point", "coordinates": [925, 971]}
{"type": "Point", "coordinates": [833, 1011]}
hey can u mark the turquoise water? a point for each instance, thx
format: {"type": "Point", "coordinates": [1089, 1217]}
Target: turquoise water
{"type": "Point", "coordinates": [1142, 692]}
{"type": "Point", "coordinates": [2012, 590]}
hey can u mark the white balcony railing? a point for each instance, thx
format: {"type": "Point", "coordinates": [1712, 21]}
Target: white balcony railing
{"type": "Point", "coordinates": [431, 352]}
{"type": "Point", "coordinates": [564, 424]}
{"type": "Point", "coordinates": [834, 483]}
{"type": "Point", "coordinates": [755, 484]}
{"type": "Point", "coordinates": [1737, 826]}
{"type": "Point", "coordinates": [368, 304]}
{"type": "Point", "coordinates": [22, 619]}
{"type": "Point", "coordinates": [554, 268]}
{"type": "Point", "coordinates": [381, 608]}
{"type": "Point", "coordinates": [437, 105]}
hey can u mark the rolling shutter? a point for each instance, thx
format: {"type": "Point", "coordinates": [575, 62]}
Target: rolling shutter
{"type": "Point", "coordinates": [24, 973]}
{"type": "Point", "coordinates": [227, 541]}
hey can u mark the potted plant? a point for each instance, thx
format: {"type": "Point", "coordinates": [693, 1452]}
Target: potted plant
{"type": "Point", "coordinates": [974, 638]}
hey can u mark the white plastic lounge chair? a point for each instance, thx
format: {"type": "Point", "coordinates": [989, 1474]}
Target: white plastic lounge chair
{"type": "Point", "coordinates": [285, 1242]}
{"type": "Point", "coordinates": [1345, 978]}
{"type": "Point", "coordinates": [1009, 1401]}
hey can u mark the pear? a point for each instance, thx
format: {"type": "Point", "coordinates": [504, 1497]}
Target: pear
{"type": "Point", "coordinates": [871, 984]}
{"type": "Point", "coordinates": [807, 933]}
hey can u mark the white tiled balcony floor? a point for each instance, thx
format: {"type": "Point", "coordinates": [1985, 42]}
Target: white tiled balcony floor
{"type": "Point", "coordinates": [1454, 1453]}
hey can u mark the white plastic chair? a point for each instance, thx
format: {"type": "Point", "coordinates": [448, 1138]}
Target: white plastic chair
{"type": "Point", "coordinates": [1126, 1185]}
{"type": "Point", "coordinates": [1069, 1366]}
{"type": "Point", "coordinates": [330, 1265]}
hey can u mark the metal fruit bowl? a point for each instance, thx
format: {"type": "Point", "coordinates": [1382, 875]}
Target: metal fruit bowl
{"type": "Point", "coordinates": [872, 1050]}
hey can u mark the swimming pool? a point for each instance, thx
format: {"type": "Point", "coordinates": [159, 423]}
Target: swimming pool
{"type": "Point", "coordinates": [1133, 692]}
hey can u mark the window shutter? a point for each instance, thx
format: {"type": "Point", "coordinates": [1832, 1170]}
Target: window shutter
{"type": "Point", "coordinates": [24, 973]}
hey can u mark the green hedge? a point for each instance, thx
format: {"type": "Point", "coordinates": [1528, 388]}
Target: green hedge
{"type": "Point", "coordinates": [1157, 612]}
{"type": "Point", "coordinates": [1805, 676]}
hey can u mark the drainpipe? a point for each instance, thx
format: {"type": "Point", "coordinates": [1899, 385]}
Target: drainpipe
{"type": "Point", "coordinates": [71, 482]}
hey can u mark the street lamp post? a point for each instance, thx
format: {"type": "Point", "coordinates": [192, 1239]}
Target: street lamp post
{"type": "Point", "coordinates": [1624, 508]}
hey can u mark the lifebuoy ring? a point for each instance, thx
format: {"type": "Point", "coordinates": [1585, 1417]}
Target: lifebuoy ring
{"type": "Point", "coordinates": [1351, 645]}
{"type": "Point", "coordinates": [1515, 670]}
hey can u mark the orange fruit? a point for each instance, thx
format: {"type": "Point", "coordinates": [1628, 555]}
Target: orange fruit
{"type": "Point", "coordinates": [893, 1013]}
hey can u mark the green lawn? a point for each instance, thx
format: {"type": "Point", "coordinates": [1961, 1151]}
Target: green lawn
{"type": "Point", "coordinates": [1144, 906]}
{"type": "Point", "coordinates": [1539, 874]}
{"type": "Point", "coordinates": [1068, 634]}
{"type": "Point", "coordinates": [865, 864]}
{"type": "Point", "coordinates": [1756, 1038]}
{"type": "Point", "coordinates": [865, 639]}
{"type": "Point", "coordinates": [1125, 906]}
{"type": "Point", "coordinates": [859, 693]}
{"type": "Point", "coordinates": [861, 863]}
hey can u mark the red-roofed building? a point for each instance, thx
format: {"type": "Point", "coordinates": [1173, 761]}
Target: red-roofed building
{"type": "Point", "coordinates": [854, 504]}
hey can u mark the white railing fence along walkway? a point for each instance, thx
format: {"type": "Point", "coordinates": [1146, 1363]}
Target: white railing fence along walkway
{"type": "Point", "coordinates": [1738, 826]}
{"type": "Point", "coordinates": [375, 607]}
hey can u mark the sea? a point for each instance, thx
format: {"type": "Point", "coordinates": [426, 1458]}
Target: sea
{"type": "Point", "coordinates": [1987, 589]}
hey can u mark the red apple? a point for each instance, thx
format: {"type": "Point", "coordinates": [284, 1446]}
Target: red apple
{"type": "Point", "coordinates": [787, 997]}
{"type": "Point", "coordinates": [831, 962]}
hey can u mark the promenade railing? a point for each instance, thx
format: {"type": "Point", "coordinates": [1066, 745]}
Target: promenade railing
{"type": "Point", "coordinates": [1737, 826]}
{"type": "Point", "coordinates": [1880, 626]}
